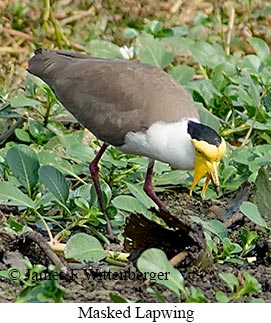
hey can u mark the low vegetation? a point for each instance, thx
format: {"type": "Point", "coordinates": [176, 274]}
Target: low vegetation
{"type": "Point", "coordinates": [221, 55]}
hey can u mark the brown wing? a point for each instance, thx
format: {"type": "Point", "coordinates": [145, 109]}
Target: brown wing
{"type": "Point", "coordinates": [112, 97]}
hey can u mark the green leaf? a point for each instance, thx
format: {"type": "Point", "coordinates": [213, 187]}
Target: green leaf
{"type": "Point", "coordinates": [84, 247]}
{"type": "Point", "coordinates": [221, 297]}
{"type": "Point", "coordinates": [183, 74]}
{"type": "Point", "coordinates": [24, 164]}
{"type": "Point", "coordinates": [174, 177]}
{"type": "Point", "coordinates": [40, 133]}
{"type": "Point", "coordinates": [11, 195]}
{"type": "Point", "coordinates": [263, 191]}
{"type": "Point", "coordinates": [103, 49]}
{"type": "Point", "coordinates": [249, 239]}
{"type": "Point", "coordinates": [22, 135]}
{"type": "Point", "coordinates": [130, 204]}
{"type": "Point", "coordinates": [230, 248]}
{"type": "Point", "coordinates": [117, 298]}
{"type": "Point", "coordinates": [260, 47]}
{"type": "Point", "coordinates": [251, 285]}
{"type": "Point", "coordinates": [22, 101]}
{"type": "Point", "coordinates": [80, 151]}
{"type": "Point", "coordinates": [251, 211]}
{"type": "Point", "coordinates": [154, 27]}
{"type": "Point", "coordinates": [230, 279]}
{"type": "Point", "coordinates": [154, 261]}
{"type": "Point", "coordinates": [152, 51]}
{"type": "Point", "coordinates": [196, 296]}
{"type": "Point", "coordinates": [138, 192]}
{"type": "Point", "coordinates": [180, 30]}
{"type": "Point", "coordinates": [214, 226]}
{"type": "Point", "coordinates": [207, 118]}
{"type": "Point", "coordinates": [63, 165]}
{"type": "Point", "coordinates": [55, 181]}
{"type": "Point", "coordinates": [207, 54]}
{"type": "Point", "coordinates": [130, 33]}
{"type": "Point", "coordinates": [251, 63]}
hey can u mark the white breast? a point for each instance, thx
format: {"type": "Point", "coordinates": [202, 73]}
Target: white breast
{"type": "Point", "coordinates": [167, 142]}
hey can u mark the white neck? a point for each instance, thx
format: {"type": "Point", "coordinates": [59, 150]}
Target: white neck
{"type": "Point", "coordinates": [167, 142]}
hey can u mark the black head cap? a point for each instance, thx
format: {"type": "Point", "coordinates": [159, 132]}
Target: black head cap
{"type": "Point", "coordinates": [199, 132]}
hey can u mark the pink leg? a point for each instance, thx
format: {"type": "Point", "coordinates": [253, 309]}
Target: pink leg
{"type": "Point", "coordinates": [94, 171]}
{"type": "Point", "coordinates": [148, 188]}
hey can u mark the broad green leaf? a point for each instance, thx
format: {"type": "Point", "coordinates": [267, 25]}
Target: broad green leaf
{"type": "Point", "coordinates": [154, 27]}
{"type": "Point", "coordinates": [260, 47]}
{"type": "Point", "coordinates": [207, 118]}
{"type": "Point", "coordinates": [138, 192]}
{"type": "Point", "coordinates": [214, 226]}
{"type": "Point", "coordinates": [81, 152]}
{"type": "Point", "coordinates": [255, 93]}
{"type": "Point", "coordinates": [196, 296]}
{"type": "Point", "coordinates": [244, 97]}
{"type": "Point", "coordinates": [179, 45]}
{"type": "Point", "coordinates": [11, 195]}
{"type": "Point", "coordinates": [24, 164]}
{"type": "Point", "coordinates": [228, 172]}
{"type": "Point", "coordinates": [221, 297]}
{"type": "Point", "coordinates": [230, 279]}
{"type": "Point", "coordinates": [204, 91]}
{"type": "Point", "coordinates": [183, 74]}
{"type": "Point", "coordinates": [251, 211]}
{"type": "Point", "coordinates": [251, 63]}
{"type": "Point", "coordinates": [251, 285]}
{"type": "Point", "coordinates": [52, 158]}
{"type": "Point", "coordinates": [130, 204]}
{"type": "Point", "coordinates": [249, 239]}
{"type": "Point", "coordinates": [84, 248]}
{"type": "Point", "coordinates": [103, 49]}
{"type": "Point", "coordinates": [221, 73]}
{"type": "Point", "coordinates": [152, 51]}
{"type": "Point", "coordinates": [154, 261]}
{"type": "Point", "coordinates": [180, 30]}
{"type": "Point", "coordinates": [106, 191]}
{"type": "Point", "coordinates": [22, 135]}
{"type": "Point", "coordinates": [174, 177]}
{"type": "Point", "coordinates": [35, 128]}
{"type": "Point", "coordinates": [22, 101]}
{"type": "Point", "coordinates": [82, 191]}
{"type": "Point", "coordinates": [55, 181]}
{"type": "Point", "coordinates": [230, 248]}
{"type": "Point", "coordinates": [263, 191]}
{"type": "Point", "coordinates": [130, 33]}
{"type": "Point", "coordinates": [208, 54]}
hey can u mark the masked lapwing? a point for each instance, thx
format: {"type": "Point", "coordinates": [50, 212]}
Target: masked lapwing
{"type": "Point", "coordinates": [135, 107]}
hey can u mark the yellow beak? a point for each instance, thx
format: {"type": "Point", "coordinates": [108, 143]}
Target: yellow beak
{"type": "Point", "coordinates": [202, 168]}
{"type": "Point", "coordinates": [207, 164]}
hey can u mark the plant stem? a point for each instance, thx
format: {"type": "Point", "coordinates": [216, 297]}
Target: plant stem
{"type": "Point", "coordinates": [229, 32]}
{"type": "Point", "coordinates": [45, 225]}
{"type": "Point", "coordinates": [251, 127]}
{"type": "Point", "coordinates": [228, 132]}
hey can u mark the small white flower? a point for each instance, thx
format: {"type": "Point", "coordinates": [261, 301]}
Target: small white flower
{"type": "Point", "coordinates": [127, 52]}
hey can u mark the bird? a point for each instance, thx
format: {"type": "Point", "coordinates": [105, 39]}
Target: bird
{"type": "Point", "coordinates": [136, 107]}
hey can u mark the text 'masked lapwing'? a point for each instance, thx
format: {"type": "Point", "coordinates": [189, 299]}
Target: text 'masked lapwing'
{"type": "Point", "coordinates": [135, 107]}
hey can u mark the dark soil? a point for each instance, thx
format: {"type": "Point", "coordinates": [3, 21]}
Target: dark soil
{"type": "Point", "coordinates": [86, 286]}
{"type": "Point", "coordinates": [80, 288]}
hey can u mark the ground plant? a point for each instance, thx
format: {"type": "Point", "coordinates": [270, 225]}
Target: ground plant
{"type": "Point", "coordinates": [49, 212]}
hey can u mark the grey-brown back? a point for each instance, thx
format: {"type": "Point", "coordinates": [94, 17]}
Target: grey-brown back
{"type": "Point", "coordinates": [112, 97]}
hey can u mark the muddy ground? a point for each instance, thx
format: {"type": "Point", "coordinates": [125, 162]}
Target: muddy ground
{"type": "Point", "coordinates": [79, 288]}
{"type": "Point", "coordinates": [83, 286]}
